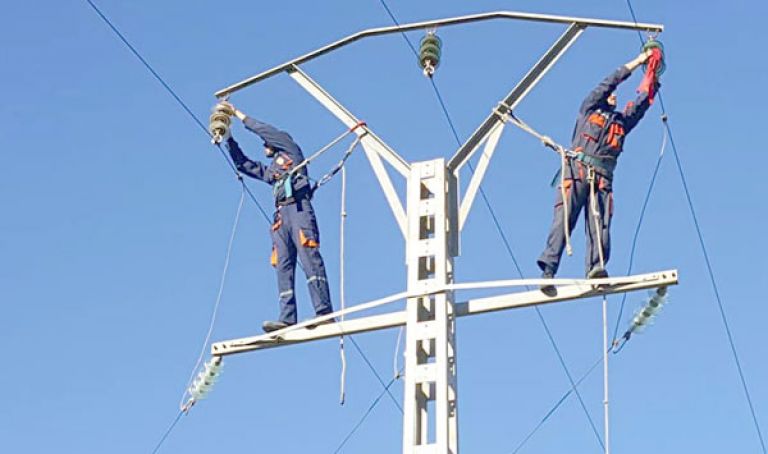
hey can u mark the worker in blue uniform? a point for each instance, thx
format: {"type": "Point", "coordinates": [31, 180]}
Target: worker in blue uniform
{"type": "Point", "coordinates": [294, 231]}
{"type": "Point", "coordinates": [598, 140]}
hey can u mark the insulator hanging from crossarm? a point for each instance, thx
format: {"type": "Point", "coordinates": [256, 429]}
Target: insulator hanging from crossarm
{"type": "Point", "coordinates": [645, 315]}
{"type": "Point", "coordinates": [219, 121]}
{"type": "Point", "coordinates": [651, 44]}
{"type": "Point", "coordinates": [429, 53]}
{"type": "Point", "coordinates": [204, 382]}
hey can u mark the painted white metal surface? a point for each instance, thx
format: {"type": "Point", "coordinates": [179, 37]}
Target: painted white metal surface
{"type": "Point", "coordinates": [430, 354]}
{"type": "Point", "coordinates": [513, 15]}
{"type": "Point", "coordinates": [491, 143]}
{"type": "Point", "coordinates": [565, 292]}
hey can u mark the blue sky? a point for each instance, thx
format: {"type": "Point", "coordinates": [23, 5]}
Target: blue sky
{"type": "Point", "coordinates": [117, 210]}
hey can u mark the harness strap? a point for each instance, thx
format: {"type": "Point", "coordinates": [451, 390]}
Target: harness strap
{"type": "Point", "coordinates": [603, 166]}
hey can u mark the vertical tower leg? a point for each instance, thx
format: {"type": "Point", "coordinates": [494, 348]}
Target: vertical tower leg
{"type": "Point", "coordinates": [430, 424]}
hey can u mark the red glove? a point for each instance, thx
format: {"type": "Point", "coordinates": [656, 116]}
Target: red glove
{"type": "Point", "coordinates": [648, 84]}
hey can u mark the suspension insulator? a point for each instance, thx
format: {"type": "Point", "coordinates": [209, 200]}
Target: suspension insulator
{"type": "Point", "coordinates": [205, 379]}
{"type": "Point", "coordinates": [655, 44]}
{"type": "Point", "coordinates": [645, 315]}
{"type": "Point", "coordinates": [429, 53]}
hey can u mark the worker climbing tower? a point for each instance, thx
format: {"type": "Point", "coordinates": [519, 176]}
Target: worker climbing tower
{"type": "Point", "coordinates": [431, 221]}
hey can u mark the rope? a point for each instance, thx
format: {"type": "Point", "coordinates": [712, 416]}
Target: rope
{"type": "Point", "coordinates": [167, 432]}
{"type": "Point", "coordinates": [339, 165]}
{"type": "Point", "coordinates": [186, 405]}
{"type": "Point", "coordinates": [396, 368]}
{"type": "Point", "coordinates": [597, 218]}
{"type": "Point", "coordinates": [342, 223]}
{"type": "Point", "coordinates": [564, 153]}
{"type": "Point", "coordinates": [319, 152]}
{"type": "Point", "coordinates": [710, 271]}
{"type": "Point", "coordinates": [606, 350]}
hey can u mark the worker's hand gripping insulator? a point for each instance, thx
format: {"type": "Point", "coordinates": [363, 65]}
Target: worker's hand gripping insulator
{"type": "Point", "coordinates": [651, 44]}
{"type": "Point", "coordinates": [220, 120]}
{"type": "Point", "coordinates": [429, 53]}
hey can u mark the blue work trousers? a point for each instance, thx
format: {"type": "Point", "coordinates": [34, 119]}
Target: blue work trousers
{"type": "Point", "coordinates": [577, 191]}
{"type": "Point", "coordinates": [295, 233]}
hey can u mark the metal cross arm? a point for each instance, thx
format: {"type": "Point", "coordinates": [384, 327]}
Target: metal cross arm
{"type": "Point", "coordinates": [582, 289]}
{"type": "Point", "coordinates": [513, 15]}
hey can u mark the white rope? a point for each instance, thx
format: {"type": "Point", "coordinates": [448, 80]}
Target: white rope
{"type": "Point", "coordinates": [606, 349]}
{"type": "Point", "coordinates": [185, 403]}
{"type": "Point", "coordinates": [342, 299]}
{"type": "Point", "coordinates": [559, 149]}
{"type": "Point", "coordinates": [397, 370]}
{"type": "Point", "coordinates": [566, 205]}
{"type": "Point", "coordinates": [598, 231]}
{"type": "Point", "coordinates": [338, 139]}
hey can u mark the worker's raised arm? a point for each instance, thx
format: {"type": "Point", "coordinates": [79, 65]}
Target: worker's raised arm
{"type": "Point", "coordinates": [272, 137]}
{"type": "Point", "coordinates": [600, 94]}
{"type": "Point", "coordinates": [255, 169]}
{"type": "Point", "coordinates": [635, 112]}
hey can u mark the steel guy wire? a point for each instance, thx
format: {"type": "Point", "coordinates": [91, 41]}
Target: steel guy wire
{"type": "Point", "coordinates": [710, 270]}
{"type": "Point", "coordinates": [501, 233]}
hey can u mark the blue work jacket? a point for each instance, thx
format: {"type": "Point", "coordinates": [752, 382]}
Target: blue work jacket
{"type": "Point", "coordinates": [287, 155]}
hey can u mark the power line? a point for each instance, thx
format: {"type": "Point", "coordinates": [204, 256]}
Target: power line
{"type": "Point", "coordinates": [366, 414]}
{"type": "Point", "coordinates": [557, 406]}
{"type": "Point", "coordinates": [637, 228]}
{"type": "Point", "coordinates": [199, 123]}
{"type": "Point", "coordinates": [503, 236]}
{"type": "Point", "coordinates": [167, 432]}
{"type": "Point", "coordinates": [710, 270]}
{"type": "Point", "coordinates": [176, 97]}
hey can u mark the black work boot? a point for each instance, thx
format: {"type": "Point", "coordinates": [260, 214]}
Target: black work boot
{"type": "Point", "coordinates": [597, 272]}
{"type": "Point", "coordinates": [548, 289]}
{"type": "Point", "coordinates": [269, 326]}
{"type": "Point", "coordinates": [322, 322]}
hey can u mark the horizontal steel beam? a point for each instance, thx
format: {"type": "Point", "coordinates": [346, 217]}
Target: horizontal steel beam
{"type": "Point", "coordinates": [587, 22]}
{"type": "Point", "coordinates": [471, 307]}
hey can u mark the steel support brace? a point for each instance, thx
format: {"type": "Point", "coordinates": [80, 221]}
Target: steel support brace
{"type": "Point", "coordinates": [477, 177]}
{"type": "Point", "coordinates": [516, 95]}
{"type": "Point", "coordinates": [374, 147]}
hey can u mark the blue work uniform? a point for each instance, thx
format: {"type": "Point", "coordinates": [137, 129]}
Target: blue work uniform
{"type": "Point", "coordinates": [598, 140]}
{"type": "Point", "coordinates": [294, 231]}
